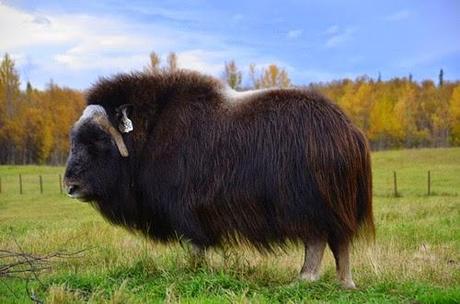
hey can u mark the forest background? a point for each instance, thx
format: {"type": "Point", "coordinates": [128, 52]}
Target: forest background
{"type": "Point", "coordinates": [396, 113]}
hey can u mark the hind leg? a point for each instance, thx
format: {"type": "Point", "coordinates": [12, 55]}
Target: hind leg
{"type": "Point", "coordinates": [196, 255]}
{"type": "Point", "coordinates": [341, 251]}
{"type": "Point", "coordinates": [314, 250]}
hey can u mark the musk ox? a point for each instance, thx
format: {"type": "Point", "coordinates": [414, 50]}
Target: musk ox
{"type": "Point", "coordinates": [177, 154]}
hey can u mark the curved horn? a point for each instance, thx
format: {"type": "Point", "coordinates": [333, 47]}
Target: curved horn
{"type": "Point", "coordinates": [106, 125]}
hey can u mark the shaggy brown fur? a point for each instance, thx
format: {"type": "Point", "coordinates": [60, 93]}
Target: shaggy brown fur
{"type": "Point", "coordinates": [276, 166]}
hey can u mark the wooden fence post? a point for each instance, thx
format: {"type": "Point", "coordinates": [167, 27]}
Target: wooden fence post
{"type": "Point", "coordinates": [60, 184]}
{"type": "Point", "coordinates": [41, 184]}
{"type": "Point", "coordinates": [20, 184]}
{"type": "Point", "coordinates": [429, 182]}
{"type": "Point", "coordinates": [395, 184]}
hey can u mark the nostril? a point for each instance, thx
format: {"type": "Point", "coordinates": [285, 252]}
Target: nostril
{"type": "Point", "coordinates": [72, 189]}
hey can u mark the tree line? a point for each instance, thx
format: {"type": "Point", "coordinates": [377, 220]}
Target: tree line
{"type": "Point", "coordinates": [400, 113]}
{"type": "Point", "coordinates": [35, 124]}
{"type": "Point", "coordinates": [397, 113]}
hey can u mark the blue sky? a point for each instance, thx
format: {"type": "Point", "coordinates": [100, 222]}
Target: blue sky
{"type": "Point", "coordinates": [75, 42]}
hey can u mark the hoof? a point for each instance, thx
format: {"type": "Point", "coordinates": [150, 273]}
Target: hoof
{"type": "Point", "coordinates": [348, 284]}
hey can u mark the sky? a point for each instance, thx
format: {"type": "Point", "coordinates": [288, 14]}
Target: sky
{"type": "Point", "coordinates": [76, 42]}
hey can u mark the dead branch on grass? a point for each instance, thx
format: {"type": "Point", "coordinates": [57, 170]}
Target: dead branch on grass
{"type": "Point", "coordinates": [14, 263]}
{"type": "Point", "coordinates": [27, 266]}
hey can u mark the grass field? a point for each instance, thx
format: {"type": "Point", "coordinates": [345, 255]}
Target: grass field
{"type": "Point", "coordinates": [416, 257]}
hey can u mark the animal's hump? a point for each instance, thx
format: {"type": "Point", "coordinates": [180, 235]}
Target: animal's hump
{"type": "Point", "coordinates": [141, 88]}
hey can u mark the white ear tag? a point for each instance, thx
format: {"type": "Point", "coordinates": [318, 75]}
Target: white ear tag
{"type": "Point", "coordinates": [126, 125]}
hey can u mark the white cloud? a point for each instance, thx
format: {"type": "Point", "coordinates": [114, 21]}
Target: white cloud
{"type": "Point", "coordinates": [209, 62]}
{"type": "Point", "coordinates": [75, 49]}
{"type": "Point", "coordinates": [294, 34]}
{"type": "Point", "coordinates": [105, 52]}
{"type": "Point", "coordinates": [339, 37]}
{"type": "Point", "coordinates": [19, 58]}
{"type": "Point", "coordinates": [56, 45]}
{"type": "Point", "coordinates": [19, 29]}
{"type": "Point", "coordinates": [91, 62]}
{"type": "Point", "coordinates": [176, 14]}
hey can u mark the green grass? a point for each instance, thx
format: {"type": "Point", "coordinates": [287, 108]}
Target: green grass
{"type": "Point", "coordinates": [416, 257]}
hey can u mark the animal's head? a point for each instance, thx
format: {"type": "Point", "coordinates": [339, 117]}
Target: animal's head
{"type": "Point", "coordinates": [98, 153]}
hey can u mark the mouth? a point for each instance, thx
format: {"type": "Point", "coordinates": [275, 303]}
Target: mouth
{"type": "Point", "coordinates": [75, 192]}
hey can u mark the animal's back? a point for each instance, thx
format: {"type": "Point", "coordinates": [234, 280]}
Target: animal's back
{"type": "Point", "coordinates": [284, 165]}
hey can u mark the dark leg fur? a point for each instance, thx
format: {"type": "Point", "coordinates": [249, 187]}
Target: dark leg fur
{"type": "Point", "coordinates": [196, 255]}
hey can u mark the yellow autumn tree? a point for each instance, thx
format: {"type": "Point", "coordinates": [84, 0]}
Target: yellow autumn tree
{"type": "Point", "coordinates": [405, 112]}
{"type": "Point", "coordinates": [154, 63]}
{"type": "Point", "coordinates": [440, 116]}
{"type": "Point", "coordinates": [357, 101]}
{"type": "Point", "coordinates": [270, 77]}
{"type": "Point", "coordinates": [454, 115]}
{"type": "Point", "coordinates": [63, 106]}
{"type": "Point", "coordinates": [385, 128]}
{"type": "Point", "coordinates": [274, 77]}
{"type": "Point", "coordinates": [41, 141]}
{"type": "Point", "coordinates": [11, 132]}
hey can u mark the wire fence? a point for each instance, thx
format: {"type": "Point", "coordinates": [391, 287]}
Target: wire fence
{"type": "Point", "coordinates": [31, 184]}
{"type": "Point", "coordinates": [386, 184]}
{"type": "Point", "coordinates": [419, 183]}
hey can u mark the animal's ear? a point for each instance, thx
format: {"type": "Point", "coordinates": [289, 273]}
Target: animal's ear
{"type": "Point", "coordinates": [125, 125]}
